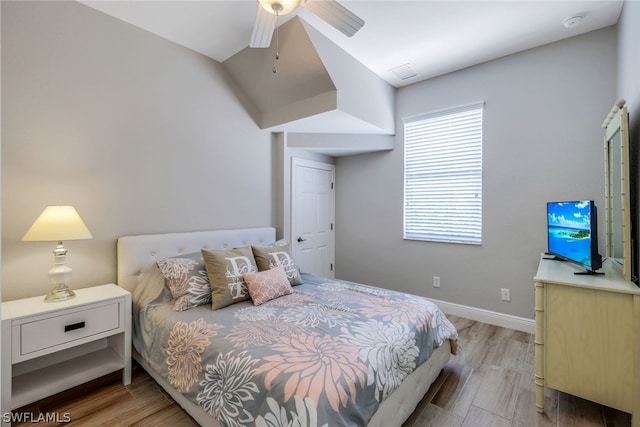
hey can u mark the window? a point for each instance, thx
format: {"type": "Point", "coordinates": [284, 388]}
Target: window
{"type": "Point", "coordinates": [443, 176]}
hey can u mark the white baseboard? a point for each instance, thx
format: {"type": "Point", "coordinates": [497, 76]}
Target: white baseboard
{"type": "Point", "coordinates": [486, 316]}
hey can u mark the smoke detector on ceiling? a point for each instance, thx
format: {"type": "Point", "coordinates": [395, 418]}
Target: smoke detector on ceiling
{"type": "Point", "coordinates": [572, 22]}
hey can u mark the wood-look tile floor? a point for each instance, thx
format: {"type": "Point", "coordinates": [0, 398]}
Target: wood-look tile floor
{"type": "Point", "coordinates": [489, 383]}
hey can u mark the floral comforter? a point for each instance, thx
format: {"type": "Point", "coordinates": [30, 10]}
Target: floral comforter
{"type": "Point", "coordinates": [326, 355]}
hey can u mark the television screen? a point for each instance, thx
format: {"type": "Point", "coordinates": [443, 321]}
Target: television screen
{"type": "Point", "coordinates": [573, 233]}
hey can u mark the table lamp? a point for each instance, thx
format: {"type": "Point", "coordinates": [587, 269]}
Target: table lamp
{"type": "Point", "coordinates": [55, 224]}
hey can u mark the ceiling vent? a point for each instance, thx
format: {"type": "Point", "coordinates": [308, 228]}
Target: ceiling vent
{"type": "Point", "coordinates": [404, 72]}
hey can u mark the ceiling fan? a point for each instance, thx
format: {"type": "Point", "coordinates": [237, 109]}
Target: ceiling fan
{"type": "Point", "coordinates": [329, 10]}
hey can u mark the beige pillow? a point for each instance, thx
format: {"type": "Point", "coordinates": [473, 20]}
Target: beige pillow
{"type": "Point", "coordinates": [271, 256]}
{"type": "Point", "coordinates": [225, 269]}
{"type": "Point", "coordinates": [267, 285]}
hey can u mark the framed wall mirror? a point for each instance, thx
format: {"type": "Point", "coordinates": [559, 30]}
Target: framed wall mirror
{"type": "Point", "coordinates": [617, 203]}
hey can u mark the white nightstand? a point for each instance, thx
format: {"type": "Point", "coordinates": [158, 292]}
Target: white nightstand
{"type": "Point", "coordinates": [51, 347]}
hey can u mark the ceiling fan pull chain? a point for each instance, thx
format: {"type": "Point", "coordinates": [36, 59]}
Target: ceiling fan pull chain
{"type": "Point", "coordinates": [275, 70]}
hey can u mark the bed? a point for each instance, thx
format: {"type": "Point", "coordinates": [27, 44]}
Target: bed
{"type": "Point", "coordinates": [246, 364]}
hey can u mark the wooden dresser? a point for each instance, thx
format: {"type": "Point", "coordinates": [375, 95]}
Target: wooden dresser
{"type": "Point", "coordinates": [588, 336]}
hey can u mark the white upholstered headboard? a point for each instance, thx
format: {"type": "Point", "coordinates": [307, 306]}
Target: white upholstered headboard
{"type": "Point", "coordinates": [135, 253]}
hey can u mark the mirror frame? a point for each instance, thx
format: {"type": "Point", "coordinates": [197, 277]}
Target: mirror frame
{"type": "Point", "coordinates": [618, 121]}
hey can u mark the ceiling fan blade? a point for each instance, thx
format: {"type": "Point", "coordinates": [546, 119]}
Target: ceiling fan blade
{"type": "Point", "coordinates": [262, 29]}
{"type": "Point", "coordinates": [337, 15]}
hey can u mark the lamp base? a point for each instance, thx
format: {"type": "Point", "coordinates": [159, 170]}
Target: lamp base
{"type": "Point", "coordinates": [59, 275]}
{"type": "Point", "coordinates": [59, 293]}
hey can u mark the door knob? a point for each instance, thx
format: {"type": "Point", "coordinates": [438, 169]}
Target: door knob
{"type": "Point", "coordinates": [300, 239]}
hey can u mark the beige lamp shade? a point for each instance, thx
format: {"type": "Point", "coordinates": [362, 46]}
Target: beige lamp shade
{"type": "Point", "coordinates": [57, 223]}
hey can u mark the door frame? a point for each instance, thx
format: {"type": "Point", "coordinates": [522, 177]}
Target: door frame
{"type": "Point", "coordinates": [295, 162]}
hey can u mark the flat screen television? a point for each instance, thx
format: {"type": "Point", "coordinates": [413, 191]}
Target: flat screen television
{"type": "Point", "coordinates": [572, 231]}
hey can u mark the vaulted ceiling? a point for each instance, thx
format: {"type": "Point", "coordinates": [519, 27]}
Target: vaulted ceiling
{"type": "Point", "coordinates": [331, 84]}
{"type": "Point", "coordinates": [432, 36]}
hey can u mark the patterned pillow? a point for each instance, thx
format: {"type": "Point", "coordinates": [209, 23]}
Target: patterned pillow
{"type": "Point", "coordinates": [225, 269]}
{"type": "Point", "coordinates": [271, 256]}
{"type": "Point", "coordinates": [186, 278]}
{"type": "Point", "coordinates": [267, 285]}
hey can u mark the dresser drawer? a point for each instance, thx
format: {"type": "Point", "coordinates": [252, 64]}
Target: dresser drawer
{"type": "Point", "coordinates": [56, 330]}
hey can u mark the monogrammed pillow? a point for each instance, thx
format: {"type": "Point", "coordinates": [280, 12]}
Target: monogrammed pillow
{"type": "Point", "coordinates": [267, 285]}
{"type": "Point", "coordinates": [271, 256]}
{"type": "Point", "coordinates": [225, 269]}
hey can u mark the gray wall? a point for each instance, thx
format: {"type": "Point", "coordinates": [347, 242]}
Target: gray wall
{"type": "Point", "coordinates": [140, 134]}
{"type": "Point", "coordinates": [629, 89]}
{"type": "Point", "coordinates": [542, 142]}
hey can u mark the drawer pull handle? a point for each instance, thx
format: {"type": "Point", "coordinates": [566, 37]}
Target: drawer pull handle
{"type": "Point", "coordinates": [74, 326]}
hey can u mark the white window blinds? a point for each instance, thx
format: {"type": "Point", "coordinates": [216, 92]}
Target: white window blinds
{"type": "Point", "coordinates": [443, 176]}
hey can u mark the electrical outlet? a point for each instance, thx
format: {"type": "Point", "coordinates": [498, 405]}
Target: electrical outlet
{"type": "Point", "coordinates": [505, 294]}
{"type": "Point", "coordinates": [436, 281]}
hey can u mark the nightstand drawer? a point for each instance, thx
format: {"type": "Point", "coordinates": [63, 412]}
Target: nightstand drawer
{"type": "Point", "coordinates": [57, 330]}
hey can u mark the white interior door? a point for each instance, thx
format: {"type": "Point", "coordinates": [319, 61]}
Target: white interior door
{"type": "Point", "coordinates": [312, 216]}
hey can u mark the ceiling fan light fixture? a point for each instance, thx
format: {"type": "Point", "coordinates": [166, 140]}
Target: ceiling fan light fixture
{"type": "Point", "coordinates": [279, 7]}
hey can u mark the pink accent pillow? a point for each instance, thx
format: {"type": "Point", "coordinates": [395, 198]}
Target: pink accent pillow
{"type": "Point", "coordinates": [267, 285]}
